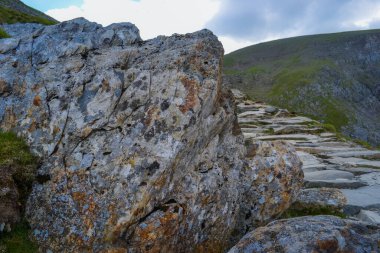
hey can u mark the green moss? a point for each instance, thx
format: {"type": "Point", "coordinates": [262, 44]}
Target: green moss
{"type": "Point", "coordinates": [3, 34]}
{"type": "Point", "coordinates": [12, 16]}
{"type": "Point", "coordinates": [269, 131]}
{"type": "Point", "coordinates": [18, 241]}
{"type": "Point", "coordinates": [320, 210]}
{"type": "Point", "coordinates": [15, 153]}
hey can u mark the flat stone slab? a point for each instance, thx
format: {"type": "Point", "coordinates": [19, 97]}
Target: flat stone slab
{"type": "Point", "coordinates": [360, 153]}
{"type": "Point", "coordinates": [337, 183]}
{"type": "Point", "coordinates": [250, 113]}
{"type": "Point", "coordinates": [369, 216]}
{"type": "Point", "coordinates": [305, 137]}
{"type": "Point", "coordinates": [355, 162]}
{"type": "Point", "coordinates": [363, 197]}
{"type": "Point", "coordinates": [288, 121]}
{"type": "Point", "coordinates": [357, 170]}
{"type": "Point", "coordinates": [310, 162]}
{"type": "Point", "coordinates": [371, 178]}
{"type": "Point", "coordinates": [329, 175]}
{"type": "Point", "coordinates": [320, 197]}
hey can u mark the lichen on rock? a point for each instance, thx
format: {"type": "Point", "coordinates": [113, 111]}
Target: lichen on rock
{"type": "Point", "coordinates": [311, 234]}
{"type": "Point", "coordinates": [139, 142]}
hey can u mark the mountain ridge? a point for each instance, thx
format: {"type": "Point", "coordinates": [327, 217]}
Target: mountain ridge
{"type": "Point", "coordinates": [329, 77]}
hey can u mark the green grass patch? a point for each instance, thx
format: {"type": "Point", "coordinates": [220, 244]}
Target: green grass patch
{"type": "Point", "coordinates": [3, 34]}
{"type": "Point", "coordinates": [14, 151]}
{"type": "Point", "coordinates": [292, 76]}
{"type": "Point", "coordinates": [10, 16]}
{"type": "Point", "coordinates": [255, 70]}
{"type": "Point", "coordinates": [18, 240]}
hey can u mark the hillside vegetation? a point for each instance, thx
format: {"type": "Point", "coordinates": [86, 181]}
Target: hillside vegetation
{"type": "Point", "coordinates": [330, 77]}
{"type": "Point", "coordinates": [14, 11]}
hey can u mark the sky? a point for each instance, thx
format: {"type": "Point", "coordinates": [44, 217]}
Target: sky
{"type": "Point", "coordinates": [237, 23]}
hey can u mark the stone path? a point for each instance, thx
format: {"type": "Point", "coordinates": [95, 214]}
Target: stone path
{"type": "Point", "coordinates": [328, 161]}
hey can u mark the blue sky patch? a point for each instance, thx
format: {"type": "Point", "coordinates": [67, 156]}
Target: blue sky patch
{"type": "Point", "coordinates": [44, 5]}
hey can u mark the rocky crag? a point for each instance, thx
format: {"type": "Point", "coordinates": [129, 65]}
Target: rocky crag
{"type": "Point", "coordinates": [140, 146]}
{"type": "Point", "coordinates": [333, 78]}
{"type": "Point", "coordinates": [341, 178]}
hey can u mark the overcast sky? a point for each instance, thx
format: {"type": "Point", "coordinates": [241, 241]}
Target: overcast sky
{"type": "Point", "coordinates": [238, 23]}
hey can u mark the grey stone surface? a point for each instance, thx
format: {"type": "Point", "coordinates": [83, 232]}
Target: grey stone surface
{"type": "Point", "coordinates": [311, 234]}
{"type": "Point", "coordinates": [369, 216]}
{"type": "Point", "coordinates": [363, 197]}
{"type": "Point", "coordinates": [328, 175]}
{"type": "Point", "coordinates": [139, 142]}
{"type": "Point", "coordinates": [330, 198]}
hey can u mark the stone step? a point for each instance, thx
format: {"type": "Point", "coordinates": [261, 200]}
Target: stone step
{"type": "Point", "coordinates": [357, 170]}
{"type": "Point", "coordinates": [287, 121]}
{"type": "Point", "coordinates": [336, 183]}
{"type": "Point", "coordinates": [294, 137]}
{"type": "Point", "coordinates": [329, 175]}
{"type": "Point", "coordinates": [373, 154]}
{"type": "Point", "coordinates": [371, 178]}
{"type": "Point", "coordinates": [251, 113]}
{"type": "Point", "coordinates": [362, 198]}
{"type": "Point", "coordinates": [354, 162]}
{"type": "Point", "coordinates": [333, 179]}
{"type": "Point", "coordinates": [369, 216]}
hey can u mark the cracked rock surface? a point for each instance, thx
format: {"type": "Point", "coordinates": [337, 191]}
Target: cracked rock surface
{"type": "Point", "coordinates": [140, 144]}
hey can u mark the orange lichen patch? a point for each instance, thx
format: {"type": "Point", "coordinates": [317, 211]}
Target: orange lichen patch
{"type": "Point", "coordinates": [160, 182]}
{"type": "Point", "coordinates": [152, 234]}
{"type": "Point", "coordinates": [37, 101]}
{"type": "Point", "coordinates": [141, 208]}
{"type": "Point", "coordinates": [56, 130]}
{"type": "Point", "coordinates": [33, 126]}
{"type": "Point", "coordinates": [328, 245]}
{"type": "Point", "coordinates": [192, 92]}
{"type": "Point", "coordinates": [19, 90]}
{"type": "Point", "coordinates": [116, 250]}
{"type": "Point", "coordinates": [86, 131]}
{"type": "Point", "coordinates": [3, 86]}
{"type": "Point", "coordinates": [151, 115]}
{"type": "Point", "coordinates": [210, 246]}
{"type": "Point", "coordinates": [79, 196]}
{"type": "Point", "coordinates": [106, 86]}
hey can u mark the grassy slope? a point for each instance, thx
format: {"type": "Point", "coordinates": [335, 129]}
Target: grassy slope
{"type": "Point", "coordinates": [11, 16]}
{"type": "Point", "coordinates": [282, 70]}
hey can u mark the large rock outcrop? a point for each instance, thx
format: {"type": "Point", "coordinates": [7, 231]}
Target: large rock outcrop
{"type": "Point", "coordinates": [140, 145]}
{"type": "Point", "coordinates": [311, 234]}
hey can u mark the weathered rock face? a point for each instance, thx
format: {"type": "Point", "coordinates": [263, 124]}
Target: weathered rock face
{"type": "Point", "coordinates": [312, 234]}
{"type": "Point", "coordinates": [141, 149]}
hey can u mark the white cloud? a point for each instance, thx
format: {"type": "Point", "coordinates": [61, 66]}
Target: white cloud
{"type": "Point", "coordinates": [152, 17]}
{"type": "Point", "coordinates": [230, 44]}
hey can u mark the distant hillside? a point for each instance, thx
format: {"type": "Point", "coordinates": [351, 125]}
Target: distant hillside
{"type": "Point", "coordinates": [15, 11]}
{"type": "Point", "coordinates": [334, 78]}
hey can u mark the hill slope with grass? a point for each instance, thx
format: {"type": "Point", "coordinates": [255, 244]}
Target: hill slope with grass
{"type": "Point", "coordinates": [334, 78]}
{"type": "Point", "coordinates": [15, 11]}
